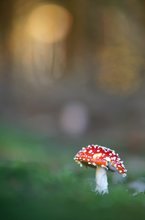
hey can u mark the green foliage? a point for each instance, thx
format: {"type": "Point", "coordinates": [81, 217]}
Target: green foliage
{"type": "Point", "coordinates": [30, 191]}
{"type": "Point", "coordinates": [40, 181]}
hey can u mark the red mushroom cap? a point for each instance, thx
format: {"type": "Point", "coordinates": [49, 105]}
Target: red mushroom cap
{"type": "Point", "coordinates": [95, 155]}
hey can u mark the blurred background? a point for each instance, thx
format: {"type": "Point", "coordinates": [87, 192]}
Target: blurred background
{"type": "Point", "coordinates": [72, 73]}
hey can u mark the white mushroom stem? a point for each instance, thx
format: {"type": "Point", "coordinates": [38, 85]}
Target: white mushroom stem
{"type": "Point", "coordinates": [101, 180]}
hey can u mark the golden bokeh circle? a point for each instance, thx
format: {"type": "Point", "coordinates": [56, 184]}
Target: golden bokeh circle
{"type": "Point", "coordinates": [119, 69]}
{"type": "Point", "coordinates": [49, 23]}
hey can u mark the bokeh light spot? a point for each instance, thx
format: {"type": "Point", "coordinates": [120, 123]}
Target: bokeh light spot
{"type": "Point", "coordinates": [74, 118]}
{"type": "Point", "coordinates": [119, 70]}
{"type": "Point", "coordinates": [49, 23]}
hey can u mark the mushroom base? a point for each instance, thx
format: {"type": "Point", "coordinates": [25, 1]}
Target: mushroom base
{"type": "Point", "coordinates": [101, 180]}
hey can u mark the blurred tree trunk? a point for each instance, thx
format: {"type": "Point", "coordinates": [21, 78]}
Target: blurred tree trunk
{"type": "Point", "coordinates": [80, 47]}
{"type": "Point", "coordinates": [6, 18]}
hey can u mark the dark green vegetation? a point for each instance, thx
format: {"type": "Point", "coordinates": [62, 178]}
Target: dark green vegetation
{"type": "Point", "coordinates": [42, 182]}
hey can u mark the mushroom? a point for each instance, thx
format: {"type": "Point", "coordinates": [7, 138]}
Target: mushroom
{"type": "Point", "coordinates": [102, 159]}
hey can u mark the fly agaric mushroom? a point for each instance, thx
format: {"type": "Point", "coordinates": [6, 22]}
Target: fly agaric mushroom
{"type": "Point", "coordinates": [102, 159]}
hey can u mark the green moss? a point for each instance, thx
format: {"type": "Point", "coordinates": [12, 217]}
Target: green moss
{"type": "Point", "coordinates": [47, 184]}
{"type": "Point", "coordinates": [29, 191]}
